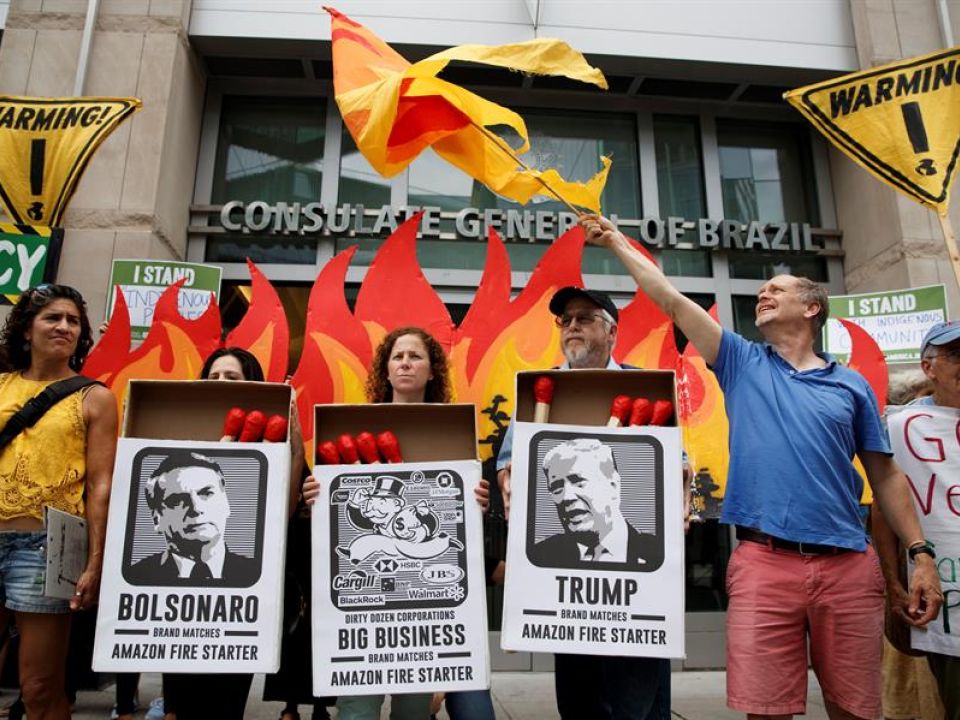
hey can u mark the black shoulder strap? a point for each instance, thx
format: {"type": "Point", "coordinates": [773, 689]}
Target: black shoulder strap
{"type": "Point", "coordinates": [36, 407]}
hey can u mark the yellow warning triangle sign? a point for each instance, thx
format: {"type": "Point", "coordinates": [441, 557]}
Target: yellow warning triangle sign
{"type": "Point", "coordinates": [45, 144]}
{"type": "Point", "coordinates": [900, 122]}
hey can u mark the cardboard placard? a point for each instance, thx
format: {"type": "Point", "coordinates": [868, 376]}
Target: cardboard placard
{"type": "Point", "coordinates": [399, 580]}
{"type": "Point", "coordinates": [196, 535]}
{"type": "Point", "coordinates": [144, 281]}
{"type": "Point", "coordinates": [925, 444]}
{"type": "Point", "coordinates": [398, 557]}
{"type": "Point", "coordinates": [595, 550]}
{"type": "Point", "coordinates": [152, 618]}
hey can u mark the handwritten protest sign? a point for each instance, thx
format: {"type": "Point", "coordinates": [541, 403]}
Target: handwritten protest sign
{"type": "Point", "coordinates": [926, 445]}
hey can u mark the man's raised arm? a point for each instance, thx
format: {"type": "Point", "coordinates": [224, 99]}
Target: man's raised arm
{"type": "Point", "coordinates": [701, 329]}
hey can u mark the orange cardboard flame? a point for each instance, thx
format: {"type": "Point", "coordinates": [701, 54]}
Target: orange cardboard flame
{"type": "Point", "coordinates": [264, 330]}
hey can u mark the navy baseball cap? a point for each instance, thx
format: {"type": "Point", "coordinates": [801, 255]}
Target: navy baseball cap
{"type": "Point", "coordinates": [940, 334]}
{"type": "Point", "coordinates": [600, 299]}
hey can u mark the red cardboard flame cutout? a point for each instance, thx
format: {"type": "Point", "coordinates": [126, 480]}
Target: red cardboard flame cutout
{"type": "Point", "coordinates": [264, 330]}
{"type": "Point", "coordinates": [867, 358]}
{"type": "Point", "coordinates": [498, 337]}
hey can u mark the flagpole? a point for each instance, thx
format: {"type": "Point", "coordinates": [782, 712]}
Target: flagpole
{"type": "Point", "coordinates": [509, 151]}
{"type": "Point", "coordinates": [951, 241]}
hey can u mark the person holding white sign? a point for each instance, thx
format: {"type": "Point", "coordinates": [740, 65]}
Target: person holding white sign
{"type": "Point", "coordinates": [804, 571]}
{"type": "Point", "coordinates": [592, 686]}
{"type": "Point", "coordinates": [924, 440]}
{"type": "Point", "coordinates": [409, 366]}
{"type": "Point", "coordinates": [65, 461]}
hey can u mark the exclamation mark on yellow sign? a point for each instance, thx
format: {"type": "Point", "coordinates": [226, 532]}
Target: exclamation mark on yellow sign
{"type": "Point", "coordinates": [918, 136]}
{"type": "Point", "coordinates": [38, 153]}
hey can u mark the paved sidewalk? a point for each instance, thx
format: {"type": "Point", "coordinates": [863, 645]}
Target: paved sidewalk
{"type": "Point", "coordinates": [517, 696]}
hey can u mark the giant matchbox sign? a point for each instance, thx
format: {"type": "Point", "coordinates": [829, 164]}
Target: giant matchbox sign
{"type": "Point", "coordinates": [193, 568]}
{"type": "Point", "coordinates": [398, 557]}
{"type": "Point", "coordinates": [595, 549]}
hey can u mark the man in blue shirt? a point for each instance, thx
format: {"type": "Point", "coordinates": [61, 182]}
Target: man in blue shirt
{"type": "Point", "coordinates": [592, 687]}
{"type": "Point", "coordinates": [804, 572]}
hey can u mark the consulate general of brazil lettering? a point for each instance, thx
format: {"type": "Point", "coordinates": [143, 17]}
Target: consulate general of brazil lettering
{"type": "Point", "coordinates": [524, 225]}
{"type": "Point", "coordinates": [625, 597]}
{"type": "Point", "coordinates": [398, 580]}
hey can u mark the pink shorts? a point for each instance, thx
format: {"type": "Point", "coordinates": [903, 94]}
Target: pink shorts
{"type": "Point", "coordinates": [779, 599]}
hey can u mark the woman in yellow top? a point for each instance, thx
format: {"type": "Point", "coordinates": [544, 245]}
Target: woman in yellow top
{"type": "Point", "coordinates": [65, 461]}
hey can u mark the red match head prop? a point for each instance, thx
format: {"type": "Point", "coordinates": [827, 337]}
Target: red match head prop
{"type": "Point", "coordinates": [389, 447]}
{"type": "Point", "coordinates": [276, 429]}
{"type": "Point", "coordinates": [620, 409]}
{"type": "Point", "coordinates": [662, 412]}
{"type": "Point", "coordinates": [641, 412]}
{"type": "Point", "coordinates": [253, 427]}
{"type": "Point", "coordinates": [327, 453]}
{"type": "Point", "coordinates": [348, 449]}
{"type": "Point", "coordinates": [543, 390]}
{"type": "Point", "coordinates": [367, 447]}
{"type": "Point", "coordinates": [233, 423]}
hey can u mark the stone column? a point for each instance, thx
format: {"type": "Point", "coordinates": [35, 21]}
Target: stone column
{"type": "Point", "coordinates": [890, 241]}
{"type": "Point", "coordinates": [133, 200]}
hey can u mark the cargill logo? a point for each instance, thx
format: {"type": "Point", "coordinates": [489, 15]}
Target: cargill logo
{"type": "Point", "coordinates": [357, 580]}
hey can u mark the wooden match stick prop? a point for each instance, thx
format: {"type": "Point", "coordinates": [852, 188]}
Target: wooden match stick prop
{"type": "Point", "coordinates": [641, 412]}
{"type": "Point", "coordinates": [328, 454]}
{"type": "Point", "coordinates": [233, 424]}
{"type": "Point", "coordinates": [367, 447]}
{"type": "Point", "coordinates": [253, 427]}
{"type": "Point", "coordinates": [389, 447]}
{"type": "Point", "coordinates": [347, 447]}
{"type": "Point", "coordinates": [543, 395]}
{"type": "Point", "coordinates": [276, 429]}
{"type": "Point", "coordinates": [662, 412]}
{"type": "Point", "coordinates": [620, 411]}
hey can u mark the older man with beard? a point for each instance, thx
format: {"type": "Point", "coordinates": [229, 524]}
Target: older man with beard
{"type": "Point", "coordinates": [591, 686]}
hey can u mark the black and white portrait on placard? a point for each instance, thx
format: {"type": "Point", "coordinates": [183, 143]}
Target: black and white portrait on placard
{"type": "Point", "coordinates": [195, 518]}
{"type": "Point", "coordinates": [595, 501]}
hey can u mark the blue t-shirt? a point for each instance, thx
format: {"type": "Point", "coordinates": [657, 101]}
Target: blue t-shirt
{"type": "Point", "coordinates": [793, 435]}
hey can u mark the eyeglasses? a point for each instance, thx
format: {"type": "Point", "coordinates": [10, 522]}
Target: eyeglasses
{"type": "Point", "coordinates": [583, 319]}
{"type": "Point", "coordinates": [47, 290]}
{"type": "Point", "coordinates": [952, 354]}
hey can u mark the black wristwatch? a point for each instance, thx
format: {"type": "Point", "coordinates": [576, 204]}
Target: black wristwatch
{"type": "Point", "coordinates": [925, 549]}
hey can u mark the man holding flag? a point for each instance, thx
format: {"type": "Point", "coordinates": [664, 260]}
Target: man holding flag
{"type": "Point", "coordinates": [803, 570]}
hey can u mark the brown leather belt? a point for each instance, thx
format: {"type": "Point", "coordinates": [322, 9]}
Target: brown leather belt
{"type": "Point", "coordinates": [775, 543]}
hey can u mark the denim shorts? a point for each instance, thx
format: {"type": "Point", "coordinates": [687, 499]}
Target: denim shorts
{"type": "Point", "coordinates": [23, 568]}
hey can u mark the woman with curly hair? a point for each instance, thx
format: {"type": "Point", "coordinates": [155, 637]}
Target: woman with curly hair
{"type": "Point", "coordinates": [65, 461]}
{"type": "Point", "coordinates": [409, 366]}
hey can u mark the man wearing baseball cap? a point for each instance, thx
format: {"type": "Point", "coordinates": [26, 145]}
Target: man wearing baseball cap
{"type": "Point", "coordinates": [593, 686]}
{"type": "Point", "coordinates": [940, 362]}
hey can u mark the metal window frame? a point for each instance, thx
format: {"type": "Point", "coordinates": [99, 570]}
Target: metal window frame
{"type": "Point", "coordinates": [452, 285]}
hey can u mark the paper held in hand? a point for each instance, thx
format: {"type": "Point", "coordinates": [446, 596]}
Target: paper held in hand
{"type": "Point", "coordinates": [66, 552]}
